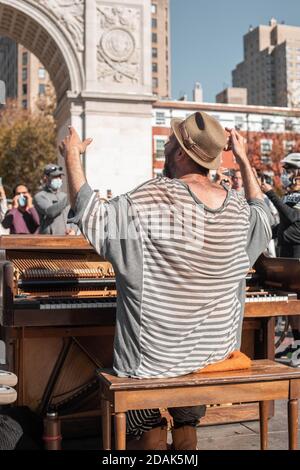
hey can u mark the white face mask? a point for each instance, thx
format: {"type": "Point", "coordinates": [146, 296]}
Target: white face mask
{"type": "Point", "coordinates": [56, 183]}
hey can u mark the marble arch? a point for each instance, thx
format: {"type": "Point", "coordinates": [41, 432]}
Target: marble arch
{"type": "Point", "coordinates": [98, 55]}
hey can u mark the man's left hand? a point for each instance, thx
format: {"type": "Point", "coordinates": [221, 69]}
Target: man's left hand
{"type": "Point", "coordinates": [72, 141]}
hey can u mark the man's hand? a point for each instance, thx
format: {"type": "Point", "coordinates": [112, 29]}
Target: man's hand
{"type": "Point", "coordinates": [70, 231]}
{"type": "Point", "coordinates": [237, 145]}
{"type": "Point", "coordinates": [71, 142]}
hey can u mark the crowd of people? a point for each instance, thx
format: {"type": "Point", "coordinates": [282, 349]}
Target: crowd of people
{"type": "Point", "coordinates": [45, 213]}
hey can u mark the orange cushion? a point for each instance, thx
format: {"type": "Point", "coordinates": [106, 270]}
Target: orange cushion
{"type": "Point", "coordinates": [235, 361]}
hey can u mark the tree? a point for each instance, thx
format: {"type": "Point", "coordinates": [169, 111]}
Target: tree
{"type": "Point", "coordinates": [27, 144]}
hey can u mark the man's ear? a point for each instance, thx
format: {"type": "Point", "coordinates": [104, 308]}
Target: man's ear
{"type": "Point", "coordinates": [180, 154]}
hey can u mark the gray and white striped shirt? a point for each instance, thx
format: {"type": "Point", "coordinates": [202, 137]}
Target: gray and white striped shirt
{"type": "Point", "coordinates": [180, 270]}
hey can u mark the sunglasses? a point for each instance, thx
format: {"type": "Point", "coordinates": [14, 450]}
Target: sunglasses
{"type": "Point", "coordinates": [53, 168]}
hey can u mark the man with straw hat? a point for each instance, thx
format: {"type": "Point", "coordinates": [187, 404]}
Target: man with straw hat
{"type": "Point", "coordinates": [181, 247]}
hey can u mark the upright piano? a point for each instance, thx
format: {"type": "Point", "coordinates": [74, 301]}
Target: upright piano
{"type": "Point", "coordinates": [57, 315]}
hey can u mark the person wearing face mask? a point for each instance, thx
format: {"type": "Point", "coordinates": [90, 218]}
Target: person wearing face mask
{"type": "Point", "coordinates": [52, 203]}
{"type": "Point", "coordinates": [22, 218]}
{"type": "Point", "coordinates": [288, 232]}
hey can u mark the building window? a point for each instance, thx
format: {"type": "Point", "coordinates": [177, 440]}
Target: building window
{"type": "Point", "coordinates": [266, 124]}
{"type": "Point", "coordinates": [266, 147]}
{"type": "Point", "coordinates": [42, 88]}
{"type": "Point", "coordinates": [154, 37]}
{"type": "Point", "coordinates": [42, 73]}
{"type": "Point", "coordinates": [24, 74]}
{"type": "Point", "coordinates": [154, 82]}
{"type": "Point", "coordinates": [154, 23]}
{"type": "Point", "coordinates": [160, 148]}
{"type": "Point", "coordinates": [154, 67]}
{"type": "Point", "coordinates": [289, 125]}
{"type": "Point", "coordinates": [238, 122]}
{"type": "Point", "coordinates": [24, 58]}
{"type": "Point", "coordinates": [160, 118]}
{"type": "Point", "coordinates": [24, 89]}
{"type": "Point", "coordinates": [288, 145]}
{"type": "Point", "coordinates": [153, 9]}
{"type": "Point", "coordinates": [24, 104]}
{"type": "Point", "coordinates": [154, 52]}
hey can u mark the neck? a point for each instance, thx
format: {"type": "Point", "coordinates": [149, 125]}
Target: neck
{"type": "Point", "coordinates": [194, 178]}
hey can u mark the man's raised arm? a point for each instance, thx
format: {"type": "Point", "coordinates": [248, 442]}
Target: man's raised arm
{"type": "Point", "coordinates": [71, 148]}
{"type": "Point", "coordinates": [251, 186]}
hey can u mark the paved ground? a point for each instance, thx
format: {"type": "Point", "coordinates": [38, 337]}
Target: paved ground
{"type": "Point", "coordinates": [245, 436]}
{"type": "Point", "coordinates": [240, 436]}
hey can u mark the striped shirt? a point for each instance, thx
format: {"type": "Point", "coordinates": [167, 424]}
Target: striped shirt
{"type": "Point", "coordinates": [180, 270]}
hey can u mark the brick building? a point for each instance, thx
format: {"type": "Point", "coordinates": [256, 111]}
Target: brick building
{"type": "Point", "coordinates": [271, 132]}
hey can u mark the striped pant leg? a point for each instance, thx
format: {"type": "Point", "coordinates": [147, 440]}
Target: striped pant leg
{"type": "Point", "coordinates": [139, 421]}
{"type": "Point", "coordinates": [187, 416]}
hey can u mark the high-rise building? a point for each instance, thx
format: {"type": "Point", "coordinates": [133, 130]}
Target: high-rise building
{"type": "Point", "coordinates": [161, 80]}
{"type": "Point", "coordinates": [26, 79]}
{"type": "Point", "coordinates": [9, 66]}
{"type": "Point", "coordinates": [271, 67]}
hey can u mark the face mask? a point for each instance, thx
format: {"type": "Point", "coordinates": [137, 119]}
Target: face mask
{"type": "Point", "coordinates": [56, 183]}
{"type": "Point", "coordinates": [22, 200]}
{"type": "Point", "coordinates": [285, 180]}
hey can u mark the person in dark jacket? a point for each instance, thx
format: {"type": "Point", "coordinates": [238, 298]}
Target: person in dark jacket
{"type": "Point", "coordinates": [288, 230]}
{"type": "Point", "coordinates": [22, 218]}
{"type": "Point", "coordinates": [52, 203]}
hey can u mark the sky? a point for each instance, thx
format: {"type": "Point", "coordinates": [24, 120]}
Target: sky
{"type": "Point", "coordinates": [207, 39]}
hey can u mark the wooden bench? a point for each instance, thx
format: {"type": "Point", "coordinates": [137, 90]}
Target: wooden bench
{"type": "Point", "coordinates": [264, 381]}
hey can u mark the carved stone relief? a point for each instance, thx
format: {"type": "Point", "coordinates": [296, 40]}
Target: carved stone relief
{"type": "Point", "coordinates": [70, 14]}
{"type": "Point", "coordinates": [119, 48]}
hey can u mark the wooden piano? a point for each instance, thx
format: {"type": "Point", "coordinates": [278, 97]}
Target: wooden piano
{"type": "Point", "coordinates": [57, 316]}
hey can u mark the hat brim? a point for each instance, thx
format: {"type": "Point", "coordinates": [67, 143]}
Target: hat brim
{"type": "Point", "coordinates": [213, 165]}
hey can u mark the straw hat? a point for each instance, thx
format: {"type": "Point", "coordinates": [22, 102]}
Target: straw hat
{"type": "Point", "coordinates": [202, 137]}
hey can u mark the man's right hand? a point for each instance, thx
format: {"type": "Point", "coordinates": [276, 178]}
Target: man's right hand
{"type": "Point", "coordinates": [73, 141]}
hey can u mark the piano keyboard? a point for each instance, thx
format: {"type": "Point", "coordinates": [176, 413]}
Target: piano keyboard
{"type": "Point", "coordinates": [67, 303]}
{"type": "Point", "coordinates": [269, 297]}
{"type": "Point", "coordinates": [76, 304]}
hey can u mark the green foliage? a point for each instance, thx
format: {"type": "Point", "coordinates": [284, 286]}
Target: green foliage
{"type": "Point", "coordinates": [27, 144]}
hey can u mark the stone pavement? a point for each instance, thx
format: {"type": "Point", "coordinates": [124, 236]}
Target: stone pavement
{"type": "Point", "coordinates": [245, 436]}
{"type": "Point", "coordinates": [239, 436]}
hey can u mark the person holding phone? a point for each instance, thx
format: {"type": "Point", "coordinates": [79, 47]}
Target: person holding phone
{"type": "Point", "coordinates": [22, 218]}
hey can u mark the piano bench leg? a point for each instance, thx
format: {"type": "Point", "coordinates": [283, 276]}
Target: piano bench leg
{"type": "Point", "coordinates": [293, 424]}
{"type": "Point", "coordinates": [263, 424]}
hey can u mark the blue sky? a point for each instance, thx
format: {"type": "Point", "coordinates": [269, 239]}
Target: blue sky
{"type": "Point", "coordinates": [207, 38]}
